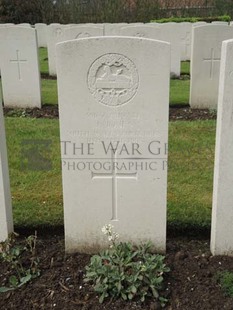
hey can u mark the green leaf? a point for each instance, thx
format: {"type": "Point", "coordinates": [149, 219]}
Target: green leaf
{"type": "Point", "coordinates": [130, 296]}
{"type": "Point", "coordinates": [123, 295]}
{"type": "Point", "coordinates": [6, 289]}
{"type": "Point", "coordinates": [101, 299]}
{"type": "Point", "coordinates": [134, 290]}
{"type": "Point", "coordinates": [26, 279]}
{"type": "Point", "coordinates": [154, 292]}
{"type": "Point", "coordinates": [13, 281]}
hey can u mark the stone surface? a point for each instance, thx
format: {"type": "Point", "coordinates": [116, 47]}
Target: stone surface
{"type": "Point", "coordinates": [41, 30]}
{"type": "Point", "coordinates": [54, 34]}
{"type": "Point", "coordinates": [113, 29]}
{"type": "Point", "coordinates": [199, 24]}
{"type": "Point", "coordinates": [6, 220]}
{"type": "Point", "coordinates": [80, 32]}
{"type": "Point", "coordinates": [24, 25]}
{"type": "Point", "coordinates": [222, 212]}
{"type": "Point", "coordinates": [20, 67]}
{"type": "Point", "coordinates": [220, 23]}
{"type": "Point", "coordinates": [205, 64]}
{"type": "Point", "coordinates": [57, 33]}
{"type": "Point", "coordinates": [186, 40]}
{"type": "Point", "coordinates": [106, 96]}
{"type": "Point", "coordinates": [158, 32]}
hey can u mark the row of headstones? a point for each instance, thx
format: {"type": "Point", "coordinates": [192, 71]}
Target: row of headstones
{"type": "Point", "coordinates": [114, 133]}
{"type": "Point", "coordinates": [20, 50]}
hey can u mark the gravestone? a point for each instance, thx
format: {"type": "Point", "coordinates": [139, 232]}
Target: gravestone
{"type": "Point", "coordinates": [220, 23]}
{"type": "Point", "coordinates": [114, 168]}
{"type": "Point", "coordinates": [41, 30]}
{"type": "Point", "coordinates": [54, 34]}
{"type": "Point", "coordinates": [113, 29]}
{"type": "Point", "coordinates": [222, 212]}
{"type": "Point", "coordinates": [205, 64]}
{"type": "Point", "coordinates": [186, 40]}
{"type": "Point", "coordinates": [199, 24]}
{"type": "Point", "coordinates": [20, 67]}
{"type": "Point", "coordinates": [6, 220]}
{"type": "Point", "coordinates": [80, 32]}
{"type": "Point", "coordinates": [157, 32]}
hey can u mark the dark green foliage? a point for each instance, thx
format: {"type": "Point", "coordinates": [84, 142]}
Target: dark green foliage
{"type": "Point", "coordinates": [226, 281]}
{"type": "Point", "coordinates": [127, 272]}
{"type": "Point", "coordinates": [21, 260]}
{"type": "Point", "coordinates": [225, 18]}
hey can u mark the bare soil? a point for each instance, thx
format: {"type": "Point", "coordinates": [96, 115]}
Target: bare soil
{"type": "Point", "coordinates": [190, 285]}
{"type": "Point", "coordinates": [178, 113]}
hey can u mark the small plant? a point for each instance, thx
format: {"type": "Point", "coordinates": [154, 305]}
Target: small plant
{"type": "Point", "coordinates": [126, 272]}
{"type": "Point", "coordinates": [225, 279]}
{"type": "Point", "coordinates": [21, 259]}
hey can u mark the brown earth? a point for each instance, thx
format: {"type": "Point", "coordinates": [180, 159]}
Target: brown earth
{"type": "Point", "coordinates": [183, 113]}
{"type": "Point", "coordinates": [191, 283]}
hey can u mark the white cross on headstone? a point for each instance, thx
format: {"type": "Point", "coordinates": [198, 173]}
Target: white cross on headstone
{"type": "Point", "coordinates": [212, 60]}
{"type": "Point", "coordinates": [114, 176]}
{"type": "Point", "coordinates": [18, 61]}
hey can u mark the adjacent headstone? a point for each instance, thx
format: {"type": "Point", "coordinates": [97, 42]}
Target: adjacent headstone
{"type": "Point", "coordinates": [113, 29]}
{"type": "Point", "coordinates": [220, 23]}
{"type": "Point", "coordinates": [114, 168]}
{"type": "Point", "coordinates": [222, 213]}
{"type": "Point", "coordinates": [6, 219]}
{"type": "Point", "coordinates": [54, 34]}
{"type": "Point", "coordinates": [20, 67]}
{"type": "Point", "coordinates": [186, 40]}
{"type": "Point", "coordinates": [57, 33]}
{"type": "Point", "coordinates": [205, 64]}
{"type": "Point", "coordinates": [158, 32]}
{"type": "Point", "coordinates": [80, 32]}
{"type": "Point", "coordinates": [199, 24]}
{"type": "Point", "coordinates": [24, 25]}
{"type": "Point", "coordinates": [41, 30]}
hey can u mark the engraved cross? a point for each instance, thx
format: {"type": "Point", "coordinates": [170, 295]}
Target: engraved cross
{"type": "Point", "coordinates": [212, 61]}
{"type": "Point", "coordinates": [18, 62]}
{"type": "Point", "coordinates": [114, 176]}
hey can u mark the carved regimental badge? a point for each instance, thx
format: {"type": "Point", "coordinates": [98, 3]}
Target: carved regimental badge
{"type": "Point", "coordinates": [113, 79]}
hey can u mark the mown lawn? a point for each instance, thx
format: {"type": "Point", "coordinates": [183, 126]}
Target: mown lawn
{"type": "Point", "coordinates": [37, 195]}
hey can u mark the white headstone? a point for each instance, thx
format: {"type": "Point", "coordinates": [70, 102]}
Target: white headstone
{"type": "Point", "coordinates": [6, 25]}
{"type": "Point", "coordinates": [186, 40]}
{"type": "Point", "coordinates": [23, 25]}
{"type": "Point", "coordinates": [222, 213]}
{"type": "Point", "coordinates": [205, 64]}
{"type": "Point", "coordinates": [199, 24]}
{"type": "Point", "coordinates": [157, 32]}
{"type": "Point", "coordinates": [80, 32]}
{"type": "Point", "coordinates": [220, 23]}
{"type": "Point", "coordinates": [60, 33]}
{"type": "Point", "coordinates": [6, 219]}
{"type": "Point", "coordinates": [113, 29]}
{"type": "Point", "coordinates": [20, 67]}
{"type": "Point", "coordinates": [41, 30]}
{"type": "Point", "coordinates": [106, 95]}
{"type": "Point", "coordinates": [54, 34]}
{"type": "Point", "coordinates": [231, 23]}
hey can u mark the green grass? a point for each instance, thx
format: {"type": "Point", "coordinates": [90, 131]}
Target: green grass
{"type": "Point", "coordinates": [43, 58]}
{"type": "Point", "coordinates": [225, 279]}
{"type": "Point", "coordinates": [37, 196]}
{"type": "Point", "coordinates": [49, 91]}
{"type": "Point", "coordinates": [179, 92]}
{"type": "Point", "coordinates": [185, 67]}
